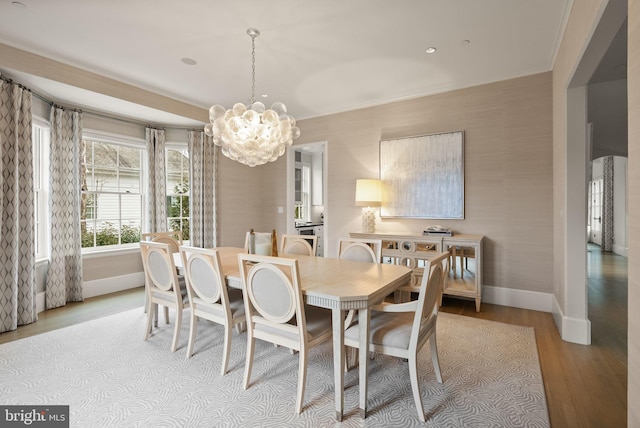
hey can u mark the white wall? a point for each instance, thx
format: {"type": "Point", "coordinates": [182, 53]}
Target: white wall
{"type": "Point", "coordinates": [607, 110]}
{"type": "Point", "coordinates": [633, 190]}
{"type": "Point", "coordinates": [508, 171]}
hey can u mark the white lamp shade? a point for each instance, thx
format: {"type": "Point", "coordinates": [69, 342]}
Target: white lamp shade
{"type": "Point", "coordinates": [368, 193]}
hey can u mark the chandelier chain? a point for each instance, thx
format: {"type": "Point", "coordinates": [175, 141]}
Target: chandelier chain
{"type": "Point", "coordinates": [252, 134]}
{"type": "Point", "coordinates": [253, 69]}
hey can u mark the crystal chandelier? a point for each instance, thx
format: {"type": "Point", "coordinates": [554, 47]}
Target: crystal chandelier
{"type": "Point", "coordinates": [251, 134]}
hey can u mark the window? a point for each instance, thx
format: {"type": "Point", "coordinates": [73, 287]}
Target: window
{"type": "Point", "coordinates": [111, 205]}
{"type": "Point", "coordinates": [178, 191]}
{"type": "Point", "coordinates": [40, 138]}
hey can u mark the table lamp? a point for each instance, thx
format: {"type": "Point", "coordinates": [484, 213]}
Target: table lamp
{"type": "Point", "coordinates": [368, 196]}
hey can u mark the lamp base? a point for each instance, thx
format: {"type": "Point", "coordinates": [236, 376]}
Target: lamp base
{"type": "Point", "coordinates": [368, 220]}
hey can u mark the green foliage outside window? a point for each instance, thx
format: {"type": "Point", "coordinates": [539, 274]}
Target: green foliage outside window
{"type": "Point", "coordinates": [108, 235]}
{"type": "Point", "coordinates": [179, 209]}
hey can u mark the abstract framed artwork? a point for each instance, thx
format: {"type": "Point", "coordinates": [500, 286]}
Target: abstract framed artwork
{"type": "Point", "coordinates": [423, 176]}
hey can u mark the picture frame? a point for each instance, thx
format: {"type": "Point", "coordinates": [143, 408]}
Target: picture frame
{"type": "Point", "coordinates": [423, 176]}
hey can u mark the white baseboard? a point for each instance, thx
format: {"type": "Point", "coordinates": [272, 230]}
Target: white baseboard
{"type": "Point", "coordinates": [98, 287]}
{"type": "Point", "coordinates": [572, 330]}
{"type": "Point", "coordinates": [523, 299]}
{"type": "Point", "coordinates": [620, 250]}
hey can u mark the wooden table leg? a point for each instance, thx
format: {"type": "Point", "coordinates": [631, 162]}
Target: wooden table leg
{"type": "Point", "coordinates": [338, 360]}
{"type": "Point", "coordinates": [364, 317]}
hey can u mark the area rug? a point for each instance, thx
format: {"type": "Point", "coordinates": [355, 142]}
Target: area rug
{"type": "Point", "coordinates": [111, 377]}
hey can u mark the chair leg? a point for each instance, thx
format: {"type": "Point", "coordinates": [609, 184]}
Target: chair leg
{"type": "Point", "coordinates": [350, 358]}
{"type": "Point", "coordinates": [226, 349]}
{"type": "Point", "coordinates": [146, 298]}
{"type": "Point", "coordinates": [350, 317]}
{"type": "Point", "coordinates": [166, 314]}
{"type": "Point", "coordinates": [239, 328]}
{"type": "Point", "coordinates": [302, 378]}
{"type": "Point", "coordinates": [434, 357]}
{"type": "Point", "coordinates": [249, 361]}
{"type": "Point", "coordinates": [176, 330]}
{"type": "Point", "coordinates": [155, 315]}
{"type": "Point", "coordinates": [193, 325]}
{"type": "Point", "coordinates": [150, 313]}
{"type": "Point", "coordinates": [413, 374]}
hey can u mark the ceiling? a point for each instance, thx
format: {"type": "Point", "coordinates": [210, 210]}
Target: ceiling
{"type": "Point", "coordinates": [317, 57]}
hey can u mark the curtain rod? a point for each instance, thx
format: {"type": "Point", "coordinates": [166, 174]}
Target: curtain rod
{"type": "Point", "coordinates": [94, 113]}
{"type": "Point", "coordinates": [37, 95]}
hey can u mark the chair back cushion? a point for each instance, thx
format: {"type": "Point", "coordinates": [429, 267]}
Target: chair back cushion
{"type": "Point", "coordinates": [271, 293]}
{"type": "Point", "coordinates": [430, 291]}
{"type": "Point", "coordinates": [158, 264]}
{"type": "Point", "coordinates": [298, 246]}
{"type": "Point", "coordinates": [159, 271]}
{"type": "Point", "coordinates": [173, 244]}
{"type": "Point", "coordinates": [173, 238]}
{"type": "Point", "coordinates": [357, 251]}
{"type": "Point", "coordinates": [202, 272]}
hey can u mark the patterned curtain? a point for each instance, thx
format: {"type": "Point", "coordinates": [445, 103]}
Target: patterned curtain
{"type": "Point", "coordinates": [157, 184]}
{"type": "Point", "coordinates": [203, 172]}
{"type": "Point", "coordinates": [17, 254]}
{"type": "Point", "coordinates": [607, 204]}
{"type": "Point", "coordinates": [64, 279]}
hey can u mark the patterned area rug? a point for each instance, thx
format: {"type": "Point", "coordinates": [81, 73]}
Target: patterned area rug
{"type": "Point", "coordinates": [110, 377]}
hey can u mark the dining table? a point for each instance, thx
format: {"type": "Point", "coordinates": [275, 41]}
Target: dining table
{"type": "Point", "coordinates": [339, 285]}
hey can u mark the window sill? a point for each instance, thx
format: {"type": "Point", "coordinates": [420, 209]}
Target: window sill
{"type": "Point", "coordinates": [92, 253]}
{"type": "Point", "coordinates": [41, 262]}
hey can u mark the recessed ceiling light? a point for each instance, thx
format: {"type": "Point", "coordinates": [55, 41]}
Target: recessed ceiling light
{"type": "Point", "coordinates": [430, 50]}
{"type": "Point", "coordinates": [265, 96]}
{"type": "Point", "coordinates": [18, 4]}
{"type": "Point", "coordinates": [189, 61]}
{"type": "Point", "coordinates": [465, 42]}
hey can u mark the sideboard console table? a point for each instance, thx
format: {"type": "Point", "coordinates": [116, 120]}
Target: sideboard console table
{"type": "Point", "coordinates": [413, 251]}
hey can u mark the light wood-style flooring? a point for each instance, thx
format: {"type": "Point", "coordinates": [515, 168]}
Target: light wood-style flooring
{"type": "Point", "coordinates": [586, 386]}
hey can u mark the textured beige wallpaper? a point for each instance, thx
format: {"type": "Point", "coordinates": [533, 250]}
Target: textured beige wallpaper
{"type": "Point", "coordinates": [633, 350]}
{"type": "Point", "coordinates": [508, 170]}
{"type": "Point", "coordinates": [115, 265]}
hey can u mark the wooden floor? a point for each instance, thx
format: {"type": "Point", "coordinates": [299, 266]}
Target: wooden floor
{"type": "Point", "coordinates": [586, 386]}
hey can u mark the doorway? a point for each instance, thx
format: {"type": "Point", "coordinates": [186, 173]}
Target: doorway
{"type": "Point", "coordinates": [593, 79]}
{"type": "Point", "coordinates": [312, 201]}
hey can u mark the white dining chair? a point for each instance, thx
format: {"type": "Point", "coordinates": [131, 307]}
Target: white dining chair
{"type": "Point", "coordinates": [173, 238]}
{"type": "Point", "coordinates": [299, 244]}
{"type": "Point", "coordinates": [209, 297]}
{"type": "Point", "coordinates": [265, 243]}
{"type": "Point", "coordinates": [163, 286]}
{"type": "Point", "coordinates": [276, 313]}
{"type": "Point", "coordinates": [361, 250]}
{"type": "Point", "coordinates": [364, 250]}
{"type": "Point", "coordinates": [405, 292]}
{"type": "Point", "coordinates": [402, 329]}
